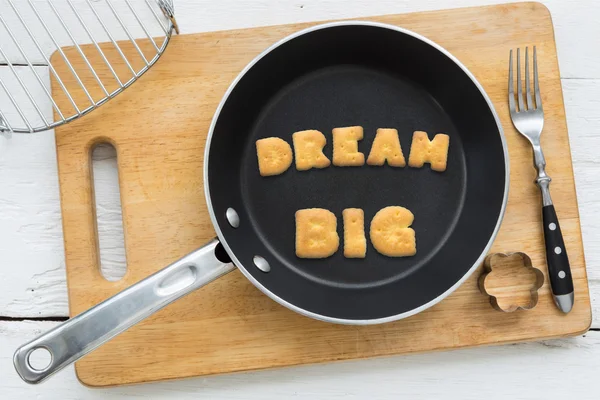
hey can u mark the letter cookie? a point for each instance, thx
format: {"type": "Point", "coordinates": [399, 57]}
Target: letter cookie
{"type": "Point", "coordinates": [316, 233]}
{"type": "Point", "coordinates": [274, 156]}
{"type": "Point", "coordinates": [355, 243]}
{"type": "Point", "coordinates": [308, 146]}
{"type": "Point", "coordinates": [390, 232]}
{"type": "Point", "coordinates": [386, 147]}
{"type": "Point", "coordinates": [345, 147]}
{"type": "Point", "coordinates": [434, 152]}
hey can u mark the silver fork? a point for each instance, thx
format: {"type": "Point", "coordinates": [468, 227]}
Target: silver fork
{"type": "Point", "coordinates": [528, 119]}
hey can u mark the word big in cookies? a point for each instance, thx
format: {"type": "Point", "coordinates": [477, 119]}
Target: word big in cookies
{"type": "Point", "coordinates": [390, 233]}
{"type": "Point", "coordinates": [275, 154]}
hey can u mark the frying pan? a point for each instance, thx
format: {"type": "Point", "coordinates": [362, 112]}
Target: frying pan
{"type": "Point", "coordinates": [331, 75]}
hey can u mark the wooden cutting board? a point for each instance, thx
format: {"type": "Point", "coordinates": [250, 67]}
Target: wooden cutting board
{"type": "Point", "coordinates": [159, 127]}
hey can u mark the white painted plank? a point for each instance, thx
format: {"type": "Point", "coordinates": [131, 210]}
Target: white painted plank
{"type": "Point", "coordinates": [10, 86]}
{"type": "Point", "coordinates": [63, 12]}
{"type": "Point", "coordinates": [31, 241]}
{"type": "Point", "coordinates": [582, 105]}
{"type": "Point", "coordinates": [565, 368]}
{"type": "Point", "coordinates": [32, 277]}
{"type": "Point", "coordinates": [575, 29]}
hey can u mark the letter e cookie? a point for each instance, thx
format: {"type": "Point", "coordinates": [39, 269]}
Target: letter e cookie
{"type": "Point", "coordinates": [345, 147]}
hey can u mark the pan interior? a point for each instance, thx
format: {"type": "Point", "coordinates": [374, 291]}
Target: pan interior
{"type": "Point", "coordinates": [348, 95]}
{"type": "Point", "coordinates": [377, 78]}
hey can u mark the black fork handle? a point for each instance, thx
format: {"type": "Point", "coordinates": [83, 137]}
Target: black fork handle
{"type": "Point", "coordinates": [556, 253]}
{"type": "Point", "coordinates": [559, 269]}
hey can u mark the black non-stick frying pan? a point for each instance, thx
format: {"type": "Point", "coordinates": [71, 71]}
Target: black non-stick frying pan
{"type": "Point", "coordinates": [328, 76]}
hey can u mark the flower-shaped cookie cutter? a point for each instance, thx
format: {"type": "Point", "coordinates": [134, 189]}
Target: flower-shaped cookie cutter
{"type": "Point", "coordinates": [490, 263]}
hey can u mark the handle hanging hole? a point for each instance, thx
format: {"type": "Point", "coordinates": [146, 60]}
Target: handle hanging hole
{"type": "Point", "coordinates": [39, 359]}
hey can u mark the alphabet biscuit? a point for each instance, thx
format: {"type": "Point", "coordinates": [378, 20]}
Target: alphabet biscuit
{"type": "Point", "coordinates": [355, 243]}
{"type": "Point", "coordinates": [390, 232]}
{"type": "Point", "coordinates": [386, 147]}
{"type": "Point", "coordinates": [308, 146]}
{"type": "Point", "coordinates": [434, 152]}
{"type": "Point", "coordinates": [274, 156]}
{"type": "Point", "coordinates": [345, 147]}
{"type": "Point", "coordinates": [316, 233]}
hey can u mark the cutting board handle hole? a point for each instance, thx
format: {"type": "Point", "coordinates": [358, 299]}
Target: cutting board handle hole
{"type": "Point", "coordinates": [108, 212]}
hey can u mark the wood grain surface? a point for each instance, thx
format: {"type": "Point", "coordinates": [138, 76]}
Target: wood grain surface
{"type": "Point", "coordinates": [159, 131]}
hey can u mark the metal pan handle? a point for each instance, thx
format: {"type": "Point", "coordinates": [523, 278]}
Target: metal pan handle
{"type": "Point", "coordinates": [78, 336]}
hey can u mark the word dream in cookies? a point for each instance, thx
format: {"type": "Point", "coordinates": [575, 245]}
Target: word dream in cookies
{"type": "Point", "coordinates": [390, 233]}
{"type": "Point", "coordinates": [275, 154]}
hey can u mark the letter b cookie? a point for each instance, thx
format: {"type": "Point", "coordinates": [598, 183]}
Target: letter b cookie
{"type": "Point", "coordinates": [316, 233]}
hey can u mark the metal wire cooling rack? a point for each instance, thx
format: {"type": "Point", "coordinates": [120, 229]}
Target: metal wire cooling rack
{"type": "Point", "coordinates": [36, 36]}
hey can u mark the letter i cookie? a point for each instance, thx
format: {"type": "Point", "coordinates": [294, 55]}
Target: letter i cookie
{"type": "Point", "coordinates": [355, 243]}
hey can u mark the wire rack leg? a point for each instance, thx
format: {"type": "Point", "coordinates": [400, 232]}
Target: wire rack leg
{"type": "Point", "coordinates": [5, 131]}
{"type": "Point", "coordinates": [49, 30]}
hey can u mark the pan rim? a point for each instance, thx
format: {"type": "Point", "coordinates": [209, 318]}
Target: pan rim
{"type": "Point", "coordinates": [293, 307]}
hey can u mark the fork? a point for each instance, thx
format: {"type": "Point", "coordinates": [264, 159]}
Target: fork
{"type": "Point", "coordinates": [529, 121]}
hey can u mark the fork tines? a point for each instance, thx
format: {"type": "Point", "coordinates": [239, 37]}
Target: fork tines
{"type": "Point", "coordinates": [536, 87]}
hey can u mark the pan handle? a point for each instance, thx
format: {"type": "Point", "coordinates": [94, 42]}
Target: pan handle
{"type": "Point", "coordinates": [83, 333]}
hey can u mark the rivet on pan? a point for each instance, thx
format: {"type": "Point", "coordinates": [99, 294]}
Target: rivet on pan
{"type": "Point", "coordinates": [232, 217]}
{"type": "Point", "coordinates": [261, 264]}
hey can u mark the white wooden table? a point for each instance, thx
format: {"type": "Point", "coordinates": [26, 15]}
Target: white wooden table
{"type": "Point", "coordinates": [33, 295]}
